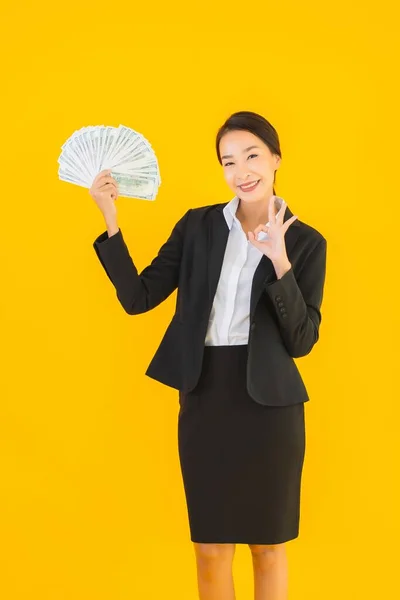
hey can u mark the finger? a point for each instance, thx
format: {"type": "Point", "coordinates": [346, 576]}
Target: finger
{"type": "Point", "coordinates": [259, 228]}
{"type": "Point", "coordinates": [281, 212]}
{"type": "Point", "coordinates": [102, 174]}
{"type": "Point", "coordinates": [288, 223]}
{"type": "Point", "coordinates": [106, 179]}
{"type": "Point", "coordinates": [255, 242]}
{"type": "Point", "coordinates": [106, 183]}
{"type": "Point", "coordinates": [107, 187]}
{"type": "Point", "coordinates": [271, 210]}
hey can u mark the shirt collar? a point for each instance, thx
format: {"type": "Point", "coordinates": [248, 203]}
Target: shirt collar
{"type": "Point", "coordinates": [231, 208]}
{"type": "Point", "coordinates": [230, 211]}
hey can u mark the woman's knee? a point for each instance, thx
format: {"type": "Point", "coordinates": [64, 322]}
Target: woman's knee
{"type": "Point", "coordinates": [267, 555]}
{"type": "Point", "coordinates": [213, 553]}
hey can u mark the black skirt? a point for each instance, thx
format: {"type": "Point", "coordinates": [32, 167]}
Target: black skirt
{"type": "Point", "coordinates": [241, 461]}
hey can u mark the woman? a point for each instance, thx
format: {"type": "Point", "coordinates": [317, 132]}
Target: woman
{"type": "Point", "coordinates": [250, 283]}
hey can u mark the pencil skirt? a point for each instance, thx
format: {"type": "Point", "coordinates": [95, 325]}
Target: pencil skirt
{"type": "Point", "coordinates": [241, 461]}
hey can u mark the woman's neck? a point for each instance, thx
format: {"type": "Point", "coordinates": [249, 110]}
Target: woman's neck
{"type": "Point", "coordinates": [252, 214]}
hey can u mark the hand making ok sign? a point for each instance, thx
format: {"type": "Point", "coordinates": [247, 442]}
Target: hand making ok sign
{"type": "Point", "coordinates": [274, 245]}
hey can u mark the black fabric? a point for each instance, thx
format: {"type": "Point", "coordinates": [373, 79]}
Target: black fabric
{"type": "Point", "coordinates": [241, 461]}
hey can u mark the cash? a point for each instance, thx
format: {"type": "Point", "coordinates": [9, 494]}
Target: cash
{"type": "Point", "coordinates": [126, 152]}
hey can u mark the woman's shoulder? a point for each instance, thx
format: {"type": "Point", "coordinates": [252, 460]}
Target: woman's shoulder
{"type": "Point", "coordinates": [311, 233]}
{"type": "Point", "coordinates": [200, 214]}
{"type": "Point", "coordinates": [207, 208]}
{"type": "Point", "coordinates": [197, 216]}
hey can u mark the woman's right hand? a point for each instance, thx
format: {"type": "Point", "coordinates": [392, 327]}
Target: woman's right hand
{"type": "Point", "coordinates": [104, 191]}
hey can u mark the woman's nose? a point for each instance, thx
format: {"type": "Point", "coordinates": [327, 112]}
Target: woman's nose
{"type": "Point", "coordinates": [242, 176]}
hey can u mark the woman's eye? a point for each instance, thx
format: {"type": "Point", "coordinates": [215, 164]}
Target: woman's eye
{"type": "Point", "coordinates": [229, 163]}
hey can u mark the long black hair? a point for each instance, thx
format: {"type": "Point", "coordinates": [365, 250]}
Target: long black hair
{"type": "Point", "coordinates": [256, 124]}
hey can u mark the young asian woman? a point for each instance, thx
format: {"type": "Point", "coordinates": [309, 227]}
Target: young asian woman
{"type": "Point", "coordinates": [249, 277]}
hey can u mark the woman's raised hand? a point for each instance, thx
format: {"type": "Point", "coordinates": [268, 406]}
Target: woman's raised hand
{"type": "Point", "coordinates": [274, 246]}
{"type": "Point", "coordinates": [104, 191]}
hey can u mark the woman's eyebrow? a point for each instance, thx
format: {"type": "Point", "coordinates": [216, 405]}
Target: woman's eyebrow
{"type": "Point", "coordinates": [245, 150]}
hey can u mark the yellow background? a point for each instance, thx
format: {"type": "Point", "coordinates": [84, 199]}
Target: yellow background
{"type": "Point", "coordinates": [91, 501]}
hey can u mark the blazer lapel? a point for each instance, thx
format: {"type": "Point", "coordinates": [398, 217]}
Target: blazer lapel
{"type": "Point", "coordinates": [217, 239]}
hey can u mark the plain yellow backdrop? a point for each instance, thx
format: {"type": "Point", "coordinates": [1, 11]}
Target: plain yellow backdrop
{"type": "Point", "coordinates": [91, 501]}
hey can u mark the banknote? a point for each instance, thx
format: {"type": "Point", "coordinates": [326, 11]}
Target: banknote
{"type": "Point", "coordinates": [126, 152]}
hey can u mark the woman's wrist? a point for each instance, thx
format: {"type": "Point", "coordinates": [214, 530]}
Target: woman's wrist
{"type": "Point", "coordinates": [282, 267]}
{"type": "Point", "coordinates": [111, 223]}
{"type": "Point", "coordinates": [112, 227]}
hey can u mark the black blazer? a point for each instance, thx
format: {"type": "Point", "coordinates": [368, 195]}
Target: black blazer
{"type": "Point", "coordinates": [284, 313]}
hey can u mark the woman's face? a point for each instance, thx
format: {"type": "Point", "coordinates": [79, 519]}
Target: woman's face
{"type": "Point", "coordinates": [242, 163]}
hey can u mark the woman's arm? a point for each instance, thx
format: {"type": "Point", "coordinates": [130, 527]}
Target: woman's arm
{"type": "Point", "coordinates": [139, 293]}
{"type": "Point", "coordinates": [297, 302]}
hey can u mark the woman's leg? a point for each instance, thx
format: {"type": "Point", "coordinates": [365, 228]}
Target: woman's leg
{"type": "Point", "coordinates": [214, 571]}
{"type": "Point", "coordinates": [270, 572]}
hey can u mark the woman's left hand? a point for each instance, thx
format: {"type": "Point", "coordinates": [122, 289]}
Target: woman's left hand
{"type": "Point", "coordinates": [274, 246]}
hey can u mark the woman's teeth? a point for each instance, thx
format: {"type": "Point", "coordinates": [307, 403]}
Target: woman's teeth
{"type": "Point", "coordinates": [249, 187]}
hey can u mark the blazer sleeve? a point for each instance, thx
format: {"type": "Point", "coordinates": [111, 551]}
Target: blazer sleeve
{"type": "Point", "coordinates": [139, 293]}
{"type": "Point", "coordinates": [297, 302]}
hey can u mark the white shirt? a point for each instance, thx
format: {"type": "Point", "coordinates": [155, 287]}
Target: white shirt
{"type": "Point", "coordinates": [229, 320]}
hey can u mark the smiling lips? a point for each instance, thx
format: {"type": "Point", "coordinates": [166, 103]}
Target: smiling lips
{"type": "Point", "coordinates": [249, 187]}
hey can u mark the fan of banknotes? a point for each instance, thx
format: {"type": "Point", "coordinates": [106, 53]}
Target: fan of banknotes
{"type": "Point", "coordinates": [126, 152]}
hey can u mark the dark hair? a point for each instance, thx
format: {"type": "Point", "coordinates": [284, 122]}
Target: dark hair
{"type": "Point", "coordinates": [257, 125]}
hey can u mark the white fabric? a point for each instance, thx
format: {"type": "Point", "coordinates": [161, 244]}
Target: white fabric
{"type": "Point", "coordinates": [230, 314]}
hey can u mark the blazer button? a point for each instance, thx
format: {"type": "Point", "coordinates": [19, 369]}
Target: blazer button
{"type": "Point", "coordinates": [278, 298]}
{"type": "Point", "coordinates": [284, 315]}
{"type": "Point", "coordinates": [252, 326]}
{"type": "Point", "coordinates": [280, 304]}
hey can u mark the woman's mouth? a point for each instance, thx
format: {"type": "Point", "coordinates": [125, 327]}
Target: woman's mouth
{"type": "Point", "coordinates": [249, 187]}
